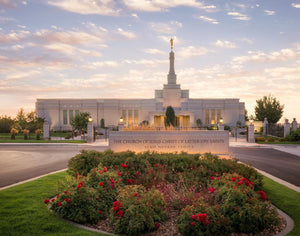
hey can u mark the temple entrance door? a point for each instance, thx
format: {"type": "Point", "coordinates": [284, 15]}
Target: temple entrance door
{"type": "Point", "coordinates": [177, 121]}
{"type": "Point", "coordinates": [185, 121]}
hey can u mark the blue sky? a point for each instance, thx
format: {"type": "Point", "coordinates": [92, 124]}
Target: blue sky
{"type": "Point", "coordinates": [119, 49]}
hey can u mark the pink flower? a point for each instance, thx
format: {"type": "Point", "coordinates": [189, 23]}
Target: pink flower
{"type": "Point", "coordinates": [193, 223]}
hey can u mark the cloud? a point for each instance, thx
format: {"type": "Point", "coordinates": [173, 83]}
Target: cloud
{"type": "Point", "coordinates": [166, 28]}
{"type": "Point", "coordinates": [166, 39]}
{"type": "Point", "coordinates": [14, 36]}
{"type": "Point", "coordinates": [71, 50]}
{"type": "Point", "coordinates": [207, 19]}
{"type": "Point", "coordinates": [269, 13]}
{"type": "Point", "coordinates": [224, 44]}
{"type": "Point", "coordinates": [134, 15]}
{"type": "Point", "coordinates": [163, 5]}
{"type": "Point", "coordinates": [154, 51]}
{"type": "Point", "coordinates": [126, 34]}
{"type": "Point", "coordinates": [144, 62]}
{"type": "Point", "coordinates": [85, 7]}
{"type": "Point", "coordinates": [100, 64]}
{"type": "Point", "coordinates": [191, 51]}
{"type": "Point", "coordinates": [238, 16]}
{"type": "Point", "coordinates": [8, 3]}
{"type": "Point", "coordinates": [249, 41]}
{"type": "Point", "coordinates": [295, 5]}
{"type": "Point", "coordinates": [282, 55]}
{"type": "Point", "coordinates": [5, 19]}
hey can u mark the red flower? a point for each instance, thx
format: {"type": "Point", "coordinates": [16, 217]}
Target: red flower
{"type": "Point", "coordinates": [233, 179]}
{"type": "Point", "coordinates": [211, 190]}
{"type": "Point", "coordinates": [120, 213]}
{"type": "Point", "coordinates": [46, 201]}
{"type": "Point", "coordinates": [135, 194]}
{"type": "Point", "coordinates": [194, 217]}
{"type": "Point", "coordinates": [65, 191]}
{"type": "Point", "coordinates": [202, 217]}
{"type": "Point", "coordinates": [193, 223]}
{"type": "Point", "coordinates": [138, 173]}
{"type": "Point", "coordinates": [156, 226]}
{"type": "Point", "coordinates": [100, 211]}
{"type": "Point", "coordinates": [119, 174]}
{"type": "Point", "coordinates": [212, 178]}
{"type": "Point", "coordinates": [53, 199]}
{"type": "Point", "coordinates": [68, 200]}
{"type": "Point", "coordinates": [101, 184]}
{"type": "Point", "coordinates": [263, 195]}
{"type": "Point", "coordinates": [240, 182]}
{"type": "Point", "coordinates": [76, 174]}
{"type": "Point", "coordinates": [79, 186]}
{"type": "Point", "coordinates": [59, 204]}
{"type": "Point", "coordinates": [57, 196]}
{"type": "Point", "coordinates": [156, 165]}
{"type": "Point", "coordinates": [206, 222]}
{"type": "Point", "coordinates": [105, 169]}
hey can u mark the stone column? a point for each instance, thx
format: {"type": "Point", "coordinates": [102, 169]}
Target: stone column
{"type": "Point", "coordinates": [46, 130]}
{"type": "Point", "coordinates": [294, 124]}
{"type": "Point", "coordinates": [251, 138]}
{"type": "Point", "coordinates": [90, 132]}
{"type": "Point", "coordinates": [221, 127]}
{"type": "Point", "coordinates": [265, 126]}
{"type": "Point", "coordinates": [120, 126]}
{"type": "Point", "coordinates": [287, 128]}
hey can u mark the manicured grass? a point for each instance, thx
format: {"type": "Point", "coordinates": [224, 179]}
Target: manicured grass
{"type": "Point", "coordinates": [285, 199]}
{"type": "Point", "coordinates": [22, 211]}
{"type": "Point", "coordinates": [42, 141]}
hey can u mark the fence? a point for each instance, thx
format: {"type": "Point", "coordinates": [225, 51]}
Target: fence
{"type": "Point", "coordinates": [275, 130]}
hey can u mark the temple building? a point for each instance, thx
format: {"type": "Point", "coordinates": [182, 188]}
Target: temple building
{"type": "Point", "coordinates": [59, 112]}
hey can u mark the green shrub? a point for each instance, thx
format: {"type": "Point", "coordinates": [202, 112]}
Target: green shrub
{"type": "Point", "coordinates": [271, 139]}
{"type": "Point", "coordinates": [82, 163]}
{"type": "Point", "coordinates": [260, 139]}
{"type": "Point", "coordinates": [227, 127]}
{"type": "Point", "coordinates": [281, 139]}
{"type": "Point", "coordinates": [81, 204]}
{"type": "Point", "coordinates": [293, 136]}
{"type": "Point", "coordinates": [137, 210]}
{"type": "Point", "coordinates": [203, 219]}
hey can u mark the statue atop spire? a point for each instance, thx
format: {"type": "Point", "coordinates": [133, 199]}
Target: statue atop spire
{"type": "Point", "coordinates": [171, 41]}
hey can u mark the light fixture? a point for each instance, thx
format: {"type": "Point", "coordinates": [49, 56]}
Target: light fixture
{"type": "Point", "coordinates": [221, 120]}
{"type": "Point", "coordinates": [121, 119]}
{"type": "Point", "coordinates": [90, 119]}
{"type": "Point", "coordinates": [251, 121]}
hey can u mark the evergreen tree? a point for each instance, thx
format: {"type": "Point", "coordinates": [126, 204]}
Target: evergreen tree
{"type": "Point", "coordinates": [170, 117]}
{"type": "Point", "coordinates": [80, 121]}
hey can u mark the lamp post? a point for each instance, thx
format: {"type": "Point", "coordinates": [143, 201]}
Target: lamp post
{"type": "Point", "coordinates": [221, 126]}
{"type": "Point", "coordinates": [121, 123]}
{"type": "Point", "coordinates": [90, 130]}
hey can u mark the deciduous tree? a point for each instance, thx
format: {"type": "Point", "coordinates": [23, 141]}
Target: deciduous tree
{"type": "Point", "coordinates": [268, 107]}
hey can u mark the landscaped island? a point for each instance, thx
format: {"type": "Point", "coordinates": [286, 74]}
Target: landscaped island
{"type": "Point", "coordinates": [137, 193]}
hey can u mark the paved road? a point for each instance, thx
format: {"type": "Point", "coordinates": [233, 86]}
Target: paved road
{"type": "Point", "coordinates": [18, 163]}
{"type": "Point", "coordinates": [277, 163]}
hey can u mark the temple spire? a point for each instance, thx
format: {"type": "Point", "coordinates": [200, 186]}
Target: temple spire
{"type": "Point", "coordinates": [172, 75]}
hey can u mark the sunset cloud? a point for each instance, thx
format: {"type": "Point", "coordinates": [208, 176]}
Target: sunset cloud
{"type": "Point", "coordinates": [207, 19]}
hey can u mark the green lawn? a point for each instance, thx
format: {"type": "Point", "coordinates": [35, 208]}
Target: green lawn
{"type": "Point", "coordinates": [285, 142]}
{"type": "Point", "coordinates": [42, 141]}
{"type": "Point", "coordinates": [22, 211]}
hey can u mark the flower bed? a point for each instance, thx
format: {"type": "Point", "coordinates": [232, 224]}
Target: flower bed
{"type": "Point", "coordinates": [136, 193]}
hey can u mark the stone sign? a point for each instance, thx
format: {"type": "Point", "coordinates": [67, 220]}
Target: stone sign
{"type": "Point", "coordinates": [216, 142]}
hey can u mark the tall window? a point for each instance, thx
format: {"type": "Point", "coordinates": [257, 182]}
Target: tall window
{"type": "Point", "coordinates": [65, 117]}
{"type": "Point", "coordinates": [218, 115]}
{"type": "Point", "coordinates": [136, 117]}
{"type": "Point", "coordinates": [130, 117]}
{"type": "Point", "coordinates": [124, 116]}
{"type": "Point", "coordinates": [76, 112]}
{"type": "Point", "coordinates": [212, 116]}
{"type": "Point", "coordinates": [207, 116]}
{"type": "Point", "coordinates": [71, 116]}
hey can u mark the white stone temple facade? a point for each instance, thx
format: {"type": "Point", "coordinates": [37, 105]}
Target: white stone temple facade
{"type": "Point", "coordinates": [59, 112]}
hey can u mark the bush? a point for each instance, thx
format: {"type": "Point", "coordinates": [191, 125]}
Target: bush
{"type": "Point", "coordinates": [227, 127]}
{"type": "Point", "coordinates": [25, 132]}
{"type": "Point", "coordinates": [82, 163]}
{"type": "Point", "coordinates": [260, 139]}
{"type": "Point", "coordinates": [38, 134]}
{"type": "Point", "coordinates": [81, 204]}
{"type": "Point", "coordinates": [137, 210]}
{"type": "Point", "coordinates": [271, 139]}
{"type": "Point", "coordinates": [293, 136]}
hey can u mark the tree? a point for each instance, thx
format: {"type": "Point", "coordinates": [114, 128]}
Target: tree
{"type": "Point", "coordinates": [246, 115]}
{"type": "Point", "coordinates": [170, 117]}
{"type": "Point", "coordinates": [80, 121]}
{"type": "Point", "coordinates": [102, 124]}
{"type": "Point", "coordinates": [6, 123]}
{"type": "Point", "coordinates": [268, 107]}
{"type": "Point", "coordinates": [199, 123]}
{"type": "Point", "coordinates": [21, 120]}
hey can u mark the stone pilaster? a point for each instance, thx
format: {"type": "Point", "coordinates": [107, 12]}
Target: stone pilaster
{"type": "Point", "coordinates": [250, 134]}
{"type": "Point", "coordinates": [90, 132]}
{"type": "Point", "coordinates": [294, 124]}
{"type": "Point", "coordinates": [46, 130]}
{"type": "Point", "coordinates": [265, 126]}
{"type": "Point", "coordinates": [287, 128]}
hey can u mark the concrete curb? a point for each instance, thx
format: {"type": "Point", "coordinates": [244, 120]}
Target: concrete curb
{"type": "Point", "coordinates": [28, 180]}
